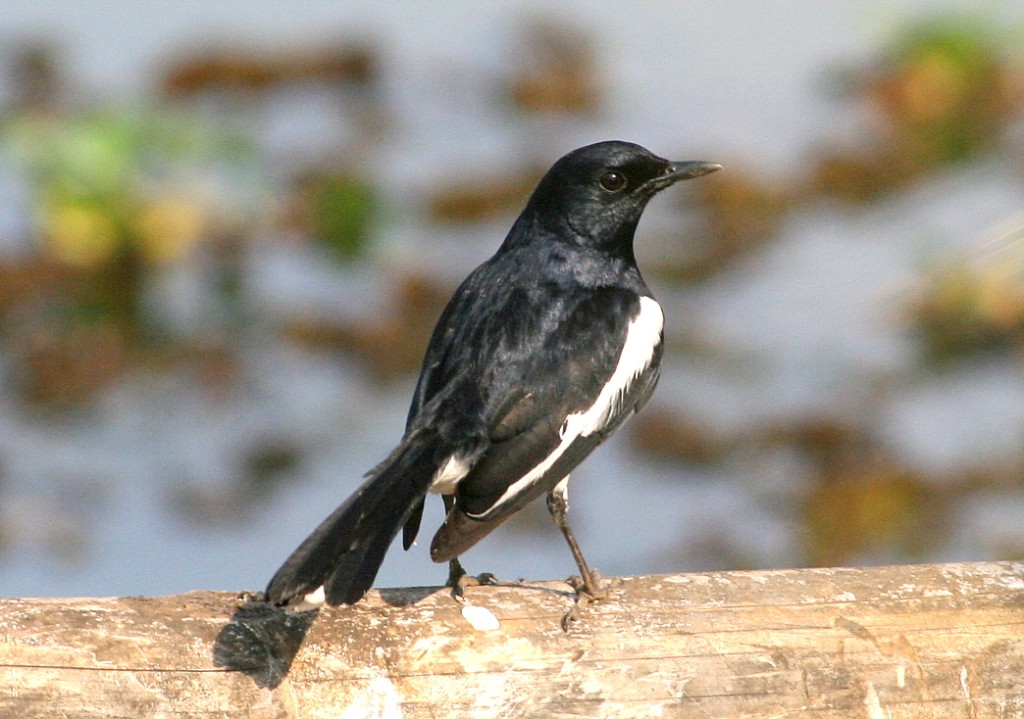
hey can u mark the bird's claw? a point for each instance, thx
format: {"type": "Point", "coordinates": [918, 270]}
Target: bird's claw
{"type": "Point", "coordinates": [576, 612]}
{"type": "Point", "coordinates": [586, 592]}
{"type": "Point", "coordinates": [591, 586]}
{"type": "Point", "coordinates": [458, 584]}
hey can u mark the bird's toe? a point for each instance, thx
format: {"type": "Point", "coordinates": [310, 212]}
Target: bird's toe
{"type": "Point", "coordinates": [590, 586]}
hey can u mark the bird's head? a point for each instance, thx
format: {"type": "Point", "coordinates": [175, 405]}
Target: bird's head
{"type": "Point", "coordinates": [598, 192]}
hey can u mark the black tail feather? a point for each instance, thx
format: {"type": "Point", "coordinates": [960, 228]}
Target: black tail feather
{"type": "Point", "coordinates": [344, 553]}
{"type": "Point", "coordinates": [352, 579]}
{"type": "Point", "coordinates": [412, 526]}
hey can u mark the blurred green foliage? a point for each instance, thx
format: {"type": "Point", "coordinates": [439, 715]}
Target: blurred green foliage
{"type": "Point", "coordinates": [119, 181]}
{"type": "Point", "coordinates": [967, 307]}
{"type": "Point", "coordinates": [946, 89]}
{"type": "Point", "coordinates": [947, 86]}
{"type": "Point", "coordinates": [342, 212]}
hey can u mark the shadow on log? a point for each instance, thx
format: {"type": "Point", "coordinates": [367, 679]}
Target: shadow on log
{"type": "Point", "coordinates": [261, 642]}
{"type": "Point", "coordinates": [912, 641]}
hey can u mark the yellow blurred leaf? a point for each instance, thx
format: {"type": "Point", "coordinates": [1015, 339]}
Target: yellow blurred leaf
{"type": "Point", "coordinates": [168, 228]}
{"type": "Point", "coordinates": [80, 234]}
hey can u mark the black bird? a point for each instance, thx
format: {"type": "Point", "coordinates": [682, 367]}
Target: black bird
{"type": "Point", "coordinates": [543, 351]}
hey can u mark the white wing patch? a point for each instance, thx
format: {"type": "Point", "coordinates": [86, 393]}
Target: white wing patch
{"type": "Point", "coordinates": [642, 337]}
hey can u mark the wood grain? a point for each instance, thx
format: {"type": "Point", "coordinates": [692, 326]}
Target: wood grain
{"type": "Point", "coordinates": [909, 641]}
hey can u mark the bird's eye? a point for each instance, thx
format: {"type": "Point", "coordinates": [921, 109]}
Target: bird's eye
{"type": "Point", "coordinates": [613, 181]}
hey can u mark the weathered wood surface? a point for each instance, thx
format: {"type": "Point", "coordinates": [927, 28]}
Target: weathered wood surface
{"type": "Point", "coordinates": [915, 641]}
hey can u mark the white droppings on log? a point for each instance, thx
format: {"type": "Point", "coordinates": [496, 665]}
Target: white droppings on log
{"type": "Point", "coordinates": [481, 619]}
{"type": "Point", "coordinates": [872, 703]}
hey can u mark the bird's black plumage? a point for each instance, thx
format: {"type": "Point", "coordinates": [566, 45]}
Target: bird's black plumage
{"type": "Point", "coordinates": [543, 351]}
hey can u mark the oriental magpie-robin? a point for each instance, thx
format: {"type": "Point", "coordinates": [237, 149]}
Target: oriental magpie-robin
{"type": "Point", "coordinates": [543, 351]}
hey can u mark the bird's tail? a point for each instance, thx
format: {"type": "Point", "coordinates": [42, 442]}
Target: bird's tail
{"type": "Point", "coordinates": [344, 553]}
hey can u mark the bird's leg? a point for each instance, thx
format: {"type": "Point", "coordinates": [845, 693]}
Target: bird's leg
{"type": "Point", "coordinates": [458, 577]}
{"type": "Point", "coordinates": [558, 505]}
{"type": "Point", "coordinates": [587, 584]}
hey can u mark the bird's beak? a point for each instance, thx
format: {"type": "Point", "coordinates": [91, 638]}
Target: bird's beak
{"type": "Point", "coordinates": [685, 170]}
{"type": "Point", "coordinates": [677, 171]}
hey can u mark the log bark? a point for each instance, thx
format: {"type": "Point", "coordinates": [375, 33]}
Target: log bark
{"type": "Point", "coordinates": [886, 642]}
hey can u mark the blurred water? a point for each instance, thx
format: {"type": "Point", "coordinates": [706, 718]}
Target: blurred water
{"type": "Point", "coordinates": [743, 81]}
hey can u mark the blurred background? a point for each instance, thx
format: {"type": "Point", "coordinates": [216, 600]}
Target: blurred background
{"type": "Point", "coordinates": [226, 230]}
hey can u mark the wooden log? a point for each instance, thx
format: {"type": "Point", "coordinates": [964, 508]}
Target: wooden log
{"type": "Point", "coordinates": [887, 642]}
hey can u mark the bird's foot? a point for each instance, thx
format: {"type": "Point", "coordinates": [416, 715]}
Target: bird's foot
{"type": "Point", "coordinates": [586, 592]}
{"type": "Point", "coordinates": [459, 579]}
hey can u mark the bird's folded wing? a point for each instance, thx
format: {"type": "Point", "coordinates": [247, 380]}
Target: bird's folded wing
{"type": "Point", "coordinates": [563, 398]}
